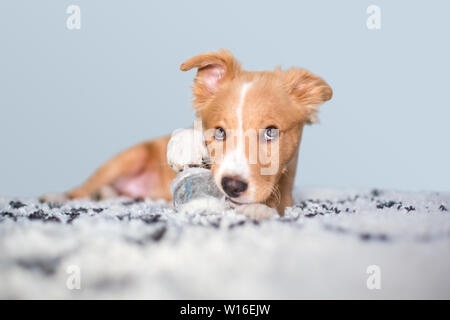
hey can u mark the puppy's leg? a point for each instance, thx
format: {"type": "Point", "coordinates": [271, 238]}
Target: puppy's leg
{"type": "Point", "coordinates": [105, 192]}
{"type": "Point", "coordinates": [53, 197]}
{"type": "Point", "coordinates": [285, 186]}
{"type": "Point", "coordinates": [140, 171]}
{"type": "Point", "coordinates": [126, 163]}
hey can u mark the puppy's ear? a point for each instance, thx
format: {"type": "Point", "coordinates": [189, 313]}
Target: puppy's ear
{"type": "Point", "coordinates": [308, 90]}
{"type": "Point", "coordinates": [214, 69]}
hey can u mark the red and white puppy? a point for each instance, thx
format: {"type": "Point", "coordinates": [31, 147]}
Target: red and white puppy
{"type": "Point", "coordinates": [250, 132]}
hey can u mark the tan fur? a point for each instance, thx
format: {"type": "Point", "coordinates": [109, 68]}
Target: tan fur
{"type": "Point", "coordinates": [147, 156]}
{"type": "Point", "coordinates": [285, 99]}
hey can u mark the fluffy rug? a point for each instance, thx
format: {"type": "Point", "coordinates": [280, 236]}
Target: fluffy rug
{"type": "Point", "coordinates": [326, 246]}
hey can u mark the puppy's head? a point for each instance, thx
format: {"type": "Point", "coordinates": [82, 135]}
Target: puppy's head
{"type": "Point", "coordinates": [252, 121]}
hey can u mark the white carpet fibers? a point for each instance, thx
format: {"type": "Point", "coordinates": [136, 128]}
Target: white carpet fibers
{"type": "Point", "coordinates": [142, 249]}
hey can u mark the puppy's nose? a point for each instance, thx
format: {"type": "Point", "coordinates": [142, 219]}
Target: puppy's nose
{"type": "Point", "coordinates": [233, 186]}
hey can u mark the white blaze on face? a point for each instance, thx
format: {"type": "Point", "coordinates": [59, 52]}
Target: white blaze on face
{"type": "Point", "coordinates": [235, 162]}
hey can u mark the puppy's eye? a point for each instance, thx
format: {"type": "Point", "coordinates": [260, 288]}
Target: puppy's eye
{"type": "Point", "coordinates": [271, 133]}
{"type": "Point", "coordinates": [219, 134]}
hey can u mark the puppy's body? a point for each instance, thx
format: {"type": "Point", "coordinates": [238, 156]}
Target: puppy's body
{"type": "Point", "coordinates": [244, 116]}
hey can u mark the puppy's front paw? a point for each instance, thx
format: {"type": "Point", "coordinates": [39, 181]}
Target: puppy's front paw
{"type": "Point", "coordinates": [186, 148]}
{"type": "Point", "coordinates": [257, 211]}
{"type": "Point", "coordinates": [105, 192]}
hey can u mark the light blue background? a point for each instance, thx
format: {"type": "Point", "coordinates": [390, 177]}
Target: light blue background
{"type": "Point", "coordinates": [69, 100]}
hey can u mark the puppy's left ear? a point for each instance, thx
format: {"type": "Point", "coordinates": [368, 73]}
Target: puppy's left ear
{"type": "Point", "coordinates": [308, 91]}
{"type": "Point", "coordinates": [214, 69]}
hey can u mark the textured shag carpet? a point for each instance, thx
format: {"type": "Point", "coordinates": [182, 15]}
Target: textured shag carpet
{"type": "Point", "coordinates": [321, 248]}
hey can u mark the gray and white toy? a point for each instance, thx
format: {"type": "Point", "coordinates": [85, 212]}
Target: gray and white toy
{"type": "Point", "coordinates": [194, 188]}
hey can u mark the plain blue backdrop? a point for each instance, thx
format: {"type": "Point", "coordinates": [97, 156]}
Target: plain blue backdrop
{"type": "Point", "coordinates": [70, 99]}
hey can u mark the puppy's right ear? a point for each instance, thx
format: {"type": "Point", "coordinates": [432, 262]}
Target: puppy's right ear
{"type": "Point", "coordinates": [214, 69]}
